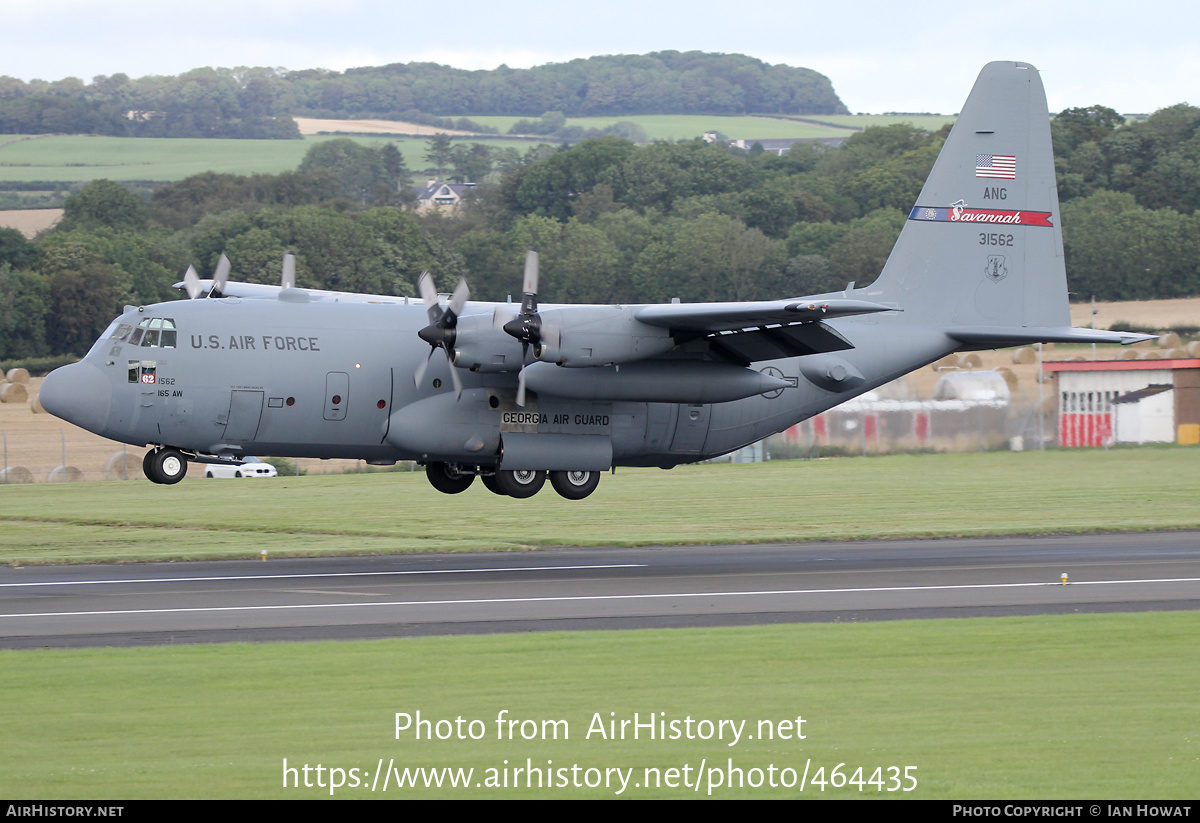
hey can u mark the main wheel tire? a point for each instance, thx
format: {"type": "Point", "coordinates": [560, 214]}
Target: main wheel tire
{"type": "Point", "coordinates": [489, 480]}
{"type": "Point", "coordinates": [148, 467]}
{"type": "Point", "coordinates": [520, 484]}
{"type": "Point", "coordinates": [574, 485]}
{"type": "Point", "coordinates": [165, 466]}
{"type": "Point", "coordinates": [447, 479]}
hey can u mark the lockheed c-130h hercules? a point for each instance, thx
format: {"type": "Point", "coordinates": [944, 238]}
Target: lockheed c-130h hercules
{"type": "Point", "coordinates": [510, 393]}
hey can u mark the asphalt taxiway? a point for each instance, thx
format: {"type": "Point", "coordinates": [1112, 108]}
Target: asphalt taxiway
{"type": "Point", "coordinates": [594, 588]}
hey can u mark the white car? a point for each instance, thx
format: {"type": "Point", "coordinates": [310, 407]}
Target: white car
{"type": "Point", "coordinates": [251, 467]}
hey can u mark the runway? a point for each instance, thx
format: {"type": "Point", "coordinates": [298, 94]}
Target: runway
{"type": "Point", "coordinates": [594, 588]}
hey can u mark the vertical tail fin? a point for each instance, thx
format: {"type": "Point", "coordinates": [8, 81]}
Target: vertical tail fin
{"type": "Point", "coordinates": [983, 244]}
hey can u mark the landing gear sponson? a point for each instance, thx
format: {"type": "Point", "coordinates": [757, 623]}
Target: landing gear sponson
{"type": "Point", "coordinates": [450, 478]}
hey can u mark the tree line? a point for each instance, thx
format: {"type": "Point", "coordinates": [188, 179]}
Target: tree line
{"type": "Point", "coordinates": [613, 221]}
{"type": "Point", "coordinates": [260, 102]}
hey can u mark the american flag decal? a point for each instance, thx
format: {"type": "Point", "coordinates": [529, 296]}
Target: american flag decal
{"type": "Point", "coordinates": [1001, 166]}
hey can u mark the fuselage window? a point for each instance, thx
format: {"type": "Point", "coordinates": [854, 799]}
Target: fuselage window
{"type": "Point", "coordinates": [143, 371]}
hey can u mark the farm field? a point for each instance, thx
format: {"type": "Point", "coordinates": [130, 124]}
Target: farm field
{"type": "Point", "coordinates": [80, 158]}
{"type": "Point", "coordinates": [928, 122]}
{"type": "Point", "coordinates": [688, 126]}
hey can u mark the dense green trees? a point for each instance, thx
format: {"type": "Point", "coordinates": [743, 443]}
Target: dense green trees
{"type": "Point", "coordinates": [260, 102]}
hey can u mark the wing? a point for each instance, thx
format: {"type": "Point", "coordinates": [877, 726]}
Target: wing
{"type": "Point", "coordinates": [745, 333]}
{"type": "Point", "coordinates": [718, 317]}
{"type": "Point", "coordinates": [259, 291]}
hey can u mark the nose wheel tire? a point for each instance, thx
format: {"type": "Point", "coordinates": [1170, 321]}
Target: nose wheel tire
{"type": "Point", "coordinates": [164, 466]}
{"type": "Point", "coordinates": [520, 484]}
{"type": "Point", "coordinates": [447, 479]}
{"type": "Point", "coordinates": [574, 485]}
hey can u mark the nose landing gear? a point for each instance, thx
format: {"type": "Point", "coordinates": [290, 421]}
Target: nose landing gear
{"type": "Point", "coordinates": [164, 465]}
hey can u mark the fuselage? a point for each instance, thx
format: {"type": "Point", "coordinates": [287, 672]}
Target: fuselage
{"type": "Point", "coordinates": [327, 379]}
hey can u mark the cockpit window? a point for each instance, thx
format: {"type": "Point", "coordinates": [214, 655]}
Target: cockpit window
{"type": "Point", "coordinates": [154, 332]}
{"type": "Point", "coordinates": [122, 332]}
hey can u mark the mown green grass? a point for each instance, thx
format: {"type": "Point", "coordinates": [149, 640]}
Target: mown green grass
{"type": "Point", "coordinates": [896, 496]}
{"type": "Point", "coordinates": [78, 158]}
{"type": "Point", "coordinates": [689, 126]}
{"type": "Point", "coordinates": [70, 158]}
{"type": "Point", "coordinates": [927, 122]}
{"type": "Point", "coordinates": [1077, 706]}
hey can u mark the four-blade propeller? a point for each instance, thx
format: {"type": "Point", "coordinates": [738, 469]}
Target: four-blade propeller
{"type": "Point", "coordinates": [527, 326]}
{"type": "Point", "coordinates": [440, 333]}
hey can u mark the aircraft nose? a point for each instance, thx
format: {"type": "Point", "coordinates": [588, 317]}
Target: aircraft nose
{"type": "Point", "coordinates": [78, 393]}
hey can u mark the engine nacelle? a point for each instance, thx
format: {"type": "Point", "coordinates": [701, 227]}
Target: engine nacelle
{"type": "Point", "coordinates": [581, 337]}
{"type": "Point", "coordinates": [481, 347]}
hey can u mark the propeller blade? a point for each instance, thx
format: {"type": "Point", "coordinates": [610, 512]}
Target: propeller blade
{"type": "Point", "coordinates": [191, 282]}
{"type": "Point", "coordinates": [529, 298]}
{"type": "Point", "coordinates": [462, 293]}
{"type": "Point", "coordinates": [429, 296]}
{"type": "Point", "coordinates": [454, 378]}
{"type": "Point", "coordinates": [421, 367]}
{"type": "Point", "coordinates": [502, 315]}
{"type": "Point", "coordinates": [221, 277]}
{"type": "Point", "coordinates": [521, 388]}
{"type": "Point", "coordinates": [288, 278]}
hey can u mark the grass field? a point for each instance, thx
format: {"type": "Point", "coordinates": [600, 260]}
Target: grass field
{"type": "Point", "coordinates": [80, 158]}
{"type": "Point", "coordinates": [68, 158]}
{"type": "Point", "coordinates": [898, 496]}
{"type": "Point", "coordinates": [688, 126]}
{"type": "Point", "coordinates": [928, 122]}
{"type": "Point", "coordinates": [1077, 706]}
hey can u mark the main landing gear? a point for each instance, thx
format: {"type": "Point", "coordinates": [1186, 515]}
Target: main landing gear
{"type": "Point", "coordinates": [163, 465]}
{"type": "Point", "coordinates": [573, 485]}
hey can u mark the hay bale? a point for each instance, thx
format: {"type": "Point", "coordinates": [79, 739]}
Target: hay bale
{"type": "Point", "coordinates": [1150, 354]}
{"type": "Point", "coordinates": [123, 465]}
{"type": "Point", "coordinates": [16, 474]}
{"type": "Point", "coordinates": [64, 474]}
{"type": "Point", "coordinates": [1024, 356]}
{"type": "Point", "coordinates": [1129, 354]}
{"type": "Point", "coordinates": [17, 376]}
{"type": "Point", "coordinates": [1193, 348]}
{"type": "Point", "coordinates": [35, 404]}
{"type": "Point", "coordinates": [1174, 354]}
{"type": "Point", "coordinates": [1049, 406]}
{"type": "Point", "coordinates": [13, 393]}
{"type": "Point", "coordinates": [950, 361]}
{"type": "Point", "coordinates": [1170, 340]}
{"type": "Point", "coordinates": [1009, 377]}
{"type": "Point", "coordinates": [970, 360]}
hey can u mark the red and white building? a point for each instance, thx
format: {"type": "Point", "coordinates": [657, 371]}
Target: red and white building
{"type": "Point", "coordinates": [1127, 401]}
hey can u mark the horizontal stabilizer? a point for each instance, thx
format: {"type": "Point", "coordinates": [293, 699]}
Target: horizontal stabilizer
{"type": "Point", "coordinates": [999, 337]}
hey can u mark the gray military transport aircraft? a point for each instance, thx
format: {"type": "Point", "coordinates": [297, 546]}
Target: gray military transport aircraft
{"type": "Point", "coordinates": [573, 390]}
